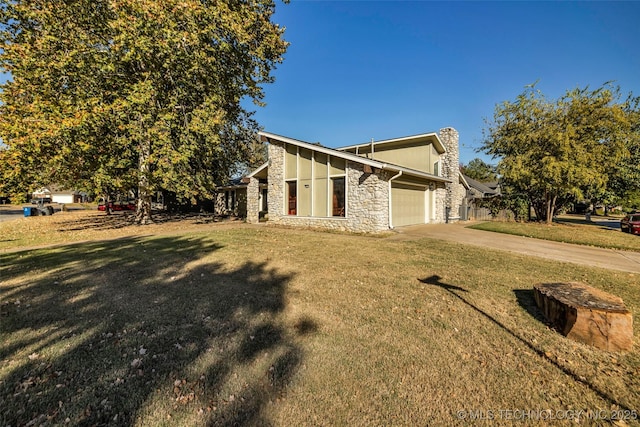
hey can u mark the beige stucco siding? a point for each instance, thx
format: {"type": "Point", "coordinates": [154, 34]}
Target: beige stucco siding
{"type": "Point", "coordinates": [419, 157]}
{"type": "Point", "coordinates": [304, 164]}
{"type": "Point", "coordinates": [291, 162]}
{"type": "Point", "coordinates": [320, 197]}
{"type": "Point", "coordinates": [304, 197]}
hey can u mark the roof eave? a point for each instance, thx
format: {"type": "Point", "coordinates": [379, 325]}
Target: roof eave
{"type": "Point", "coordinates": [258, 170]}
{"type": "Point", "coordinates": [354, 157]}
{"type": "Point", "coordinates": [323, 149]}
{"type": "Point", "coordinates": [437, 143]}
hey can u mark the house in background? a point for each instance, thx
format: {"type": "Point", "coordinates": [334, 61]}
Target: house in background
{"type": "Point", "coordinates": [54, 194]}
{"type": "Point", "coordinates": [368, 187]}
{"type": "Point", "coordinates": [479, 192]}
{"type": "Point", "coordinates": [231, 199]}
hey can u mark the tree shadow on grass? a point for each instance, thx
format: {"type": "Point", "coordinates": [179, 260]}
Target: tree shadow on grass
{"type": "Point", "coordinates": [523, 298]}
{"type": "Point", "coordinates": [122, 219]}
{"type": "Point", "coordinates": [137, 330]}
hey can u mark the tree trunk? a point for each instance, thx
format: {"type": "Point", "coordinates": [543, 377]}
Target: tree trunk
{"type": "Point", "coordinates": [551, 208]}
{"type": "Point", "coordinates": [107, 206]}
{"type": "Point", "coordinates": [143, 208]}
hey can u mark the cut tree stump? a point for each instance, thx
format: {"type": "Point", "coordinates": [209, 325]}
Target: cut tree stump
{"type": "Point", "coordinates": [586, 314]}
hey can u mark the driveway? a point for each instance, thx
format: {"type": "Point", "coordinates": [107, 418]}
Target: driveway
{"type": "Point", "coordinates": [586, 255]}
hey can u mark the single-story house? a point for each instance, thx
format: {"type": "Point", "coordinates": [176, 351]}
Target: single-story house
{"type": "Point", "coordinates": [55, 194]}
{"type": "Point", "coordinates": [370, 187]}
{"type": "Point", "coordinates": [481, 190]}
{"type": "Point", "coordinates": [231, 199]}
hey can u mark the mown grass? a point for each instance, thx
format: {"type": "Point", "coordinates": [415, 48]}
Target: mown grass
{"type": "Point", "coordinates": [599, 233]}
{"type": "Point", "coordinates": [265, 326]}
{"type": "Point", "coordinates": [86, 225]}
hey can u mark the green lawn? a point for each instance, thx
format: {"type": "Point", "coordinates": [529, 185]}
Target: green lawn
{"type": "Point", "coordinates": [599, 232]}
{"type": "Point", "coordinates": [267, 326]}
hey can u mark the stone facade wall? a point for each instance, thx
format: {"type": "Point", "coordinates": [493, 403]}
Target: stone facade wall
{"type": "Point", "coordinates": [275, 187]}
{"type": "Point", "coordinates": [441, 203]}
{"type": "Point", "coordinates": [367, 199]}
{"type": "Point", "coordinates": [218, 204]}
{"type": "Point", "coordinates": [253, 201]}
{"type": "Point", "coordinates": [455, 192]}
{"type": "Point", "coordinates": [367, 208]}
{"type": "Point", "coordinates": [238, 210]}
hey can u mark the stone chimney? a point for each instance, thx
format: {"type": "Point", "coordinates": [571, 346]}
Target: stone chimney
{"type": "Point", "coordinates": [451, 170]}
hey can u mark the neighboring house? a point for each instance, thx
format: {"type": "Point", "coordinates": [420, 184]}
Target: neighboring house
{"type": "Point", "coordinates": [369, 187]}
{"type": "Point", "coordinates": [57, 195]}
{"type": "Point", "coordinates": [476, 194]}
{"type": "Point", "coordinates": [479, 190]}
{"type": "Point", "coordinates": [68, 196]}
{"type": "Point", "coordinates": [41, 194]}
{"type": "Point", "coordinates": [231, 199]}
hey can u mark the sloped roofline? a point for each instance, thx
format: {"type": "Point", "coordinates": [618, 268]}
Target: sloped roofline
{"type": "Point", "coordinates": [465, 183]}
{"type": "Point", "coordinates": [480, 186]}
{"type": "Point", "coordinates": [258, 170]}
{"type": "Point", "coordinates": [352, 157]}
{"type": "Point", "coordinates": [433, 137]}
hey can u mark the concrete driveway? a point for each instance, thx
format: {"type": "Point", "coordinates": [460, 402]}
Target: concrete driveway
{"type": "Point", "coordinates": [584, 255]}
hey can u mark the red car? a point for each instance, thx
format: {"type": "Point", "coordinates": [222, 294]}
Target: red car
{"type": "Point", "coordinates": [631, 223]}
{"type": "Point", "coordinates": [118, 206]}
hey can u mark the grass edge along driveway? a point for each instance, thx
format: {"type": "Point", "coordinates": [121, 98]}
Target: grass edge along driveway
{"type": "Point", "coordinates": [597, 233]}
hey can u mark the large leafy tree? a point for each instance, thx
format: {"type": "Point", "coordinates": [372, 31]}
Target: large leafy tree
{"type": "Point", "coordinates": [479, 170]}
{"type": "Point", "coordinates": [624, 177]}
{"type": "Point", "coordinates": [106, 95]}
{"type": "Point", "coordinates": [553, 151]}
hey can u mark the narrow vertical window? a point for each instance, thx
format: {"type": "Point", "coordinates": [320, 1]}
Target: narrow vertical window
{"type": "Point", "coordinates": [291, 198]}
{"type": "Point", "coordinates": [337, 190]}
{"type": "Point", "coordinates": [264, 200]}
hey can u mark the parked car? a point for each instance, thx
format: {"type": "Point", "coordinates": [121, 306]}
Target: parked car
{"type": "Point", "coordinates": [41, 200]}
{"type": "Point", "coordinates": [631, 223]}
{"type": "Point", "coordinates": [118, 206]}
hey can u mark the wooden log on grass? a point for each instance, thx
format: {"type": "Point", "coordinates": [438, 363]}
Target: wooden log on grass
{"type": "Point", "coordinates": [586, 314]}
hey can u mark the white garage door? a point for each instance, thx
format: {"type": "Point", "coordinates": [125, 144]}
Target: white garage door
{"type": "Point", "coordinates": [407, 205]}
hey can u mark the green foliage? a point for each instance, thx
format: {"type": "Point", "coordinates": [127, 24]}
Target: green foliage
{"type": "Point", "coordinates": [106, 95]}
{"type": "Point", "coordinates": [554, 151]}
{"type": "Point", "coordinates": [630, 200]}
{"type": "Point", "coordinates": [624, 177]}
{"type": "Point", "coordinates": [516, 203]}
{"type": "Point", "coordinates": [480, 171]}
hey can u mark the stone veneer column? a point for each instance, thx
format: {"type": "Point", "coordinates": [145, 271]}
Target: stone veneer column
{"type": "Point", "coordinates": [253, 201]}
{"type": "Point", "coordinates": [275, 189]}
{"type": "Point", "coordinates": [451, 170]}
{"type": "Point", "coordinates": [368, 200]}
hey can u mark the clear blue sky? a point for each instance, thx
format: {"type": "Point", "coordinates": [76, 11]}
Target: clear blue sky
{"type": "Point", "coordinates": [357, 70]}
